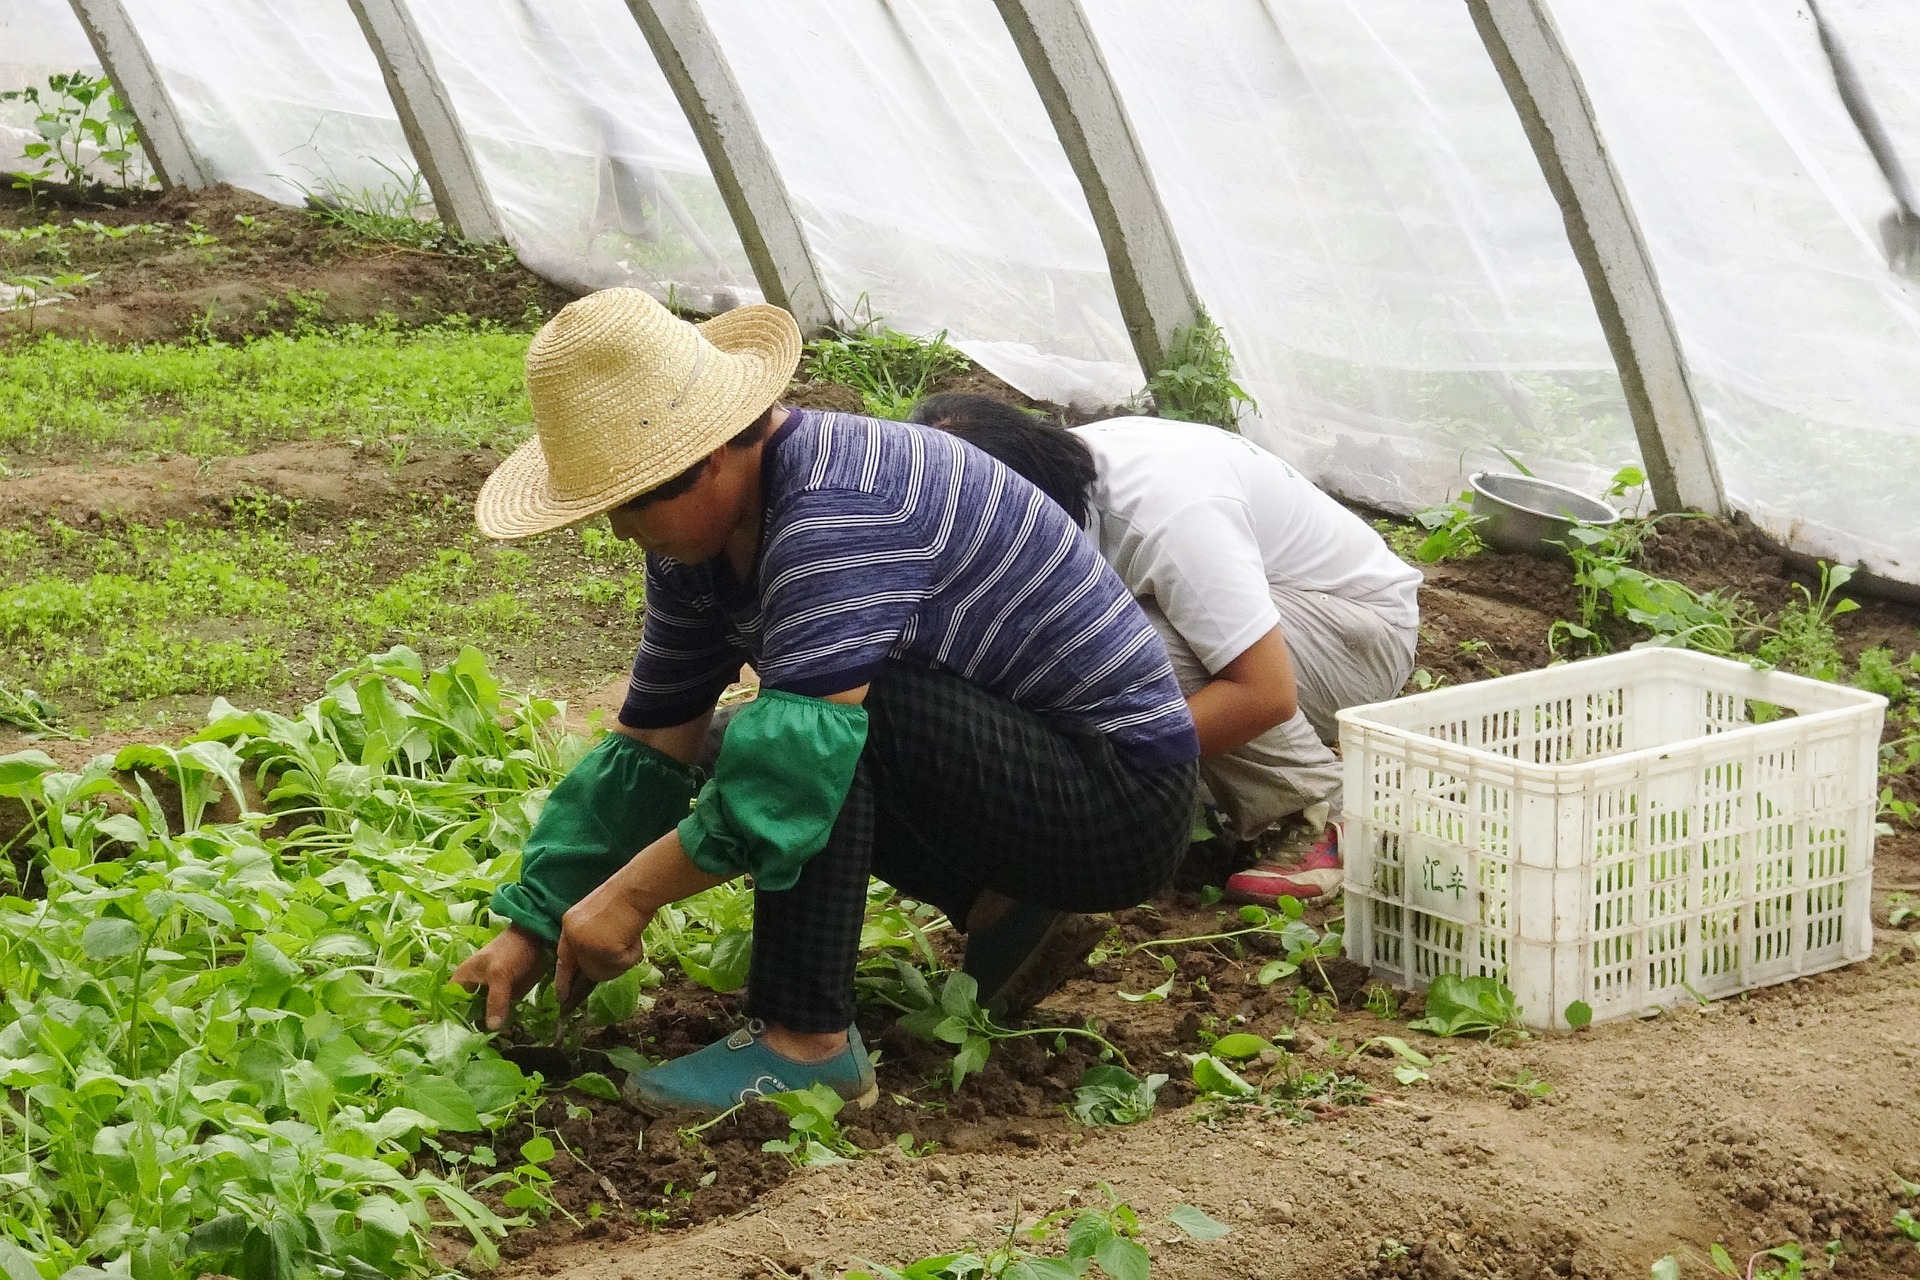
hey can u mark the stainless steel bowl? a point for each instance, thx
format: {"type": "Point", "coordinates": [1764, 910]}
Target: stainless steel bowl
{"type": "Point", "coordinates": [1519, 513]}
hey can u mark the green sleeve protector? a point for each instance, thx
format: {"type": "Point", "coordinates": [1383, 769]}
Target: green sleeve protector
{"type": "Point", "coordinates": [783, 773]}
{"type": "Point", "coordinates": [620, 798]}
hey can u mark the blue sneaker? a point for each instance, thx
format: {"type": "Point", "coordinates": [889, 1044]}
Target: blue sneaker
{"type": "Point", "coordinates": [740, 1068]}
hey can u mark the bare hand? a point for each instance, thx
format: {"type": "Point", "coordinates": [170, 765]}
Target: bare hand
{"type": "Point", "coordinates": [599, 938]}
{"type": "Point", "coordinates": [507, 967]}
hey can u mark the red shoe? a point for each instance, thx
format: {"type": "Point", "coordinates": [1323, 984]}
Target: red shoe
{"type": "Point", "coordinates": [1316, 876]}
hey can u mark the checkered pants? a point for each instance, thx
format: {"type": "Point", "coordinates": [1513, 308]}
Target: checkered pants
{"type": "Point", "coordinates": [959, 791]}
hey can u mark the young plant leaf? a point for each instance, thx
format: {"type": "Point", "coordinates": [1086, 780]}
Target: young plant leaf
{"type": "Point", "coordinates": [1239, 1046]}
{"type": "Point", "coordinates": [1197, 1224]}
{"type": "Point", "coordinates": [595, 1085]}
{"type": "Point", "coordinates": [1160, 992]}
{"type": "Point", "coordinates": [1458, 1006]}
{"type": "Point", "coordinates": [1216, 1077]}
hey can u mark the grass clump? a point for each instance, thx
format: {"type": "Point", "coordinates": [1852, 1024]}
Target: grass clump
{"type": "Point", "coordinates": [454, 383]}
{"type": "Point", "coordinates": [133, 613]}
{"type": "Point", "coordinates": [890, 370]}
{"type": "Point", "coordinates": [399, 215]}
{"type": "Point", "coordinates": [1196, 383]}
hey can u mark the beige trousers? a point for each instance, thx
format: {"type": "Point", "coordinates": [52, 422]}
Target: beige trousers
{"type": "Point", "coordinates": [1344, 654]}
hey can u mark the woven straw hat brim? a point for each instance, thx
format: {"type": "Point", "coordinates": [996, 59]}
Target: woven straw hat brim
{"type": "Point", "coordinates": [519, 500]}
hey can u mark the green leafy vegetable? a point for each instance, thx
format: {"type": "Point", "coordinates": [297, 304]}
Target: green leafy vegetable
{"type": "Point", "coordinates": [1110, 1095]}
{"type": "Point", "coordinates": [1458, 1006]}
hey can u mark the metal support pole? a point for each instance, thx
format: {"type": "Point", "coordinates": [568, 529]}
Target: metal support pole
{"type": "Point", "coordinates": [123, 56]}
{"type": "Point", "coordinates": [1552, 101]}
{"type": "Point", "coordinates": [1149, 272]}
{"type": "Point", "coordinates": [434, 133]}
{"type": "Point", "coordinates": [743, 168]}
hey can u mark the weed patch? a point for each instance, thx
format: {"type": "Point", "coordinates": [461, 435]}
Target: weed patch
{"type": "Point", "coordinates": [132, 613]}
{"type": "Point", "coordinates": [1196, 383]}
{"type": "Point", "coordinates": [453, 383]}
{"type": "Point", "coordinates": [890, 370]}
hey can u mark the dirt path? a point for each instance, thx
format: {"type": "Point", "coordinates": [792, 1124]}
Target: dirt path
{"type": "Point", "coordinates": [227, 263]}
{"type": "Point", "coordinates": [333, 479]}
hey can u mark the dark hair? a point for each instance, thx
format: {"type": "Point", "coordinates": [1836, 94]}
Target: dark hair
{"type": "Point", "coordinates": [1057, 461]}
{"type": "Point", "coordinates": [753, 434]}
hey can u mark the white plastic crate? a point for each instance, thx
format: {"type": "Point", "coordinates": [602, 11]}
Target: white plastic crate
{"type": "Point", "coordinates": [1620, 831]}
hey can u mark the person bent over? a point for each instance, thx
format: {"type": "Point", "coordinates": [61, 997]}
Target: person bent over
{"type": "Point", "coordinates": [957, 695]}
{"type": "Point", "coordinates": [1279, 606]}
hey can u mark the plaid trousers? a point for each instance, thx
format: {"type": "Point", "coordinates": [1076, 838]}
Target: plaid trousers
{"type": "Point", "coordinates": [958, 791]}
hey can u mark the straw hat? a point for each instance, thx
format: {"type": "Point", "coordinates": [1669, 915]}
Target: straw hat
{"type": "Point", "coordinates": [626, 396]}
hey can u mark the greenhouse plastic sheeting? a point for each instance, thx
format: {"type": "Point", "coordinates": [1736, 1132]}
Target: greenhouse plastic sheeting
{"type": "Point", "coordinates": [1761, 206]}
{"type": "Point", "coordinates": [284, 99]}
{"type": "Point", "coordinates": [931, 184]}
{"type": "Point", "coordinates": [1361, 212]}
{"type": "Point", "coordinates": [38, 38]}
{"type": "Point", "coordinates": [584, 148]}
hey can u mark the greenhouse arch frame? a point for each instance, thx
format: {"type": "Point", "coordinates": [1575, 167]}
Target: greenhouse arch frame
{"type": "Point", "coordinates": [1434, 231]}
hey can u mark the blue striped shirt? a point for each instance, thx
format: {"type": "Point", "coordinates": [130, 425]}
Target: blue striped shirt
{"type": "Point", "coordinates": [882, 540]}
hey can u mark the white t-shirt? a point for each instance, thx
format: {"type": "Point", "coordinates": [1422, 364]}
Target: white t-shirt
{"type": "Point", "coordinates": [1207, 524]}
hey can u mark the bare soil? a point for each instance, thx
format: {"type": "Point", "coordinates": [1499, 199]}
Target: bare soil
{"type": "Point", "coordinates": [254, 279]}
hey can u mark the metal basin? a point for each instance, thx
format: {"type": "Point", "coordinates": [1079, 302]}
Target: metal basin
{"type": "Point", "coordinates": [1519, 513]}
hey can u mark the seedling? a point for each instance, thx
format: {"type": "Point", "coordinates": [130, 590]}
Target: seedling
{"type": "Point", "coordinates": [1103, 1241]}
{"type": "Point", "coordinates": [1803, 639]}
{"type": "Point", "coordinates": [1110, 1095]}
{"type": "Point", "coordinates": [1196, 383]}
{"type": "Point", "coordinates": [1282, 1090]}
{"type": "Point", "coordinates": [1453, 531]}
{"type": "Point", "coordinates": [814, 1136]}
{"type": "Point", "coordinates": [1525, 1084]}
{"type": "Point", "coordinates": [1412, 1065]}
{"type": "Point", "coordinates": [1612, 587]}
{"type": "Point", "coordinates": [79, 111]}
{"type": "Point", "coordinates": [1877, 672]}
{"type": "Point", "coordinates": [956, 1018]}
{"type": "Point", "coordinates": [1461, 1006]}
{"type": "Point", "coordinates": [395, 214]}
{"type": "Point", "coordinates": [25, 709]}
{"type": "Point", "coordinates": [1790, 1257]}
{"type": "Point", "coordinates": [890, 370]}
{"type": "Point", "coordinates": [1629, 477]}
